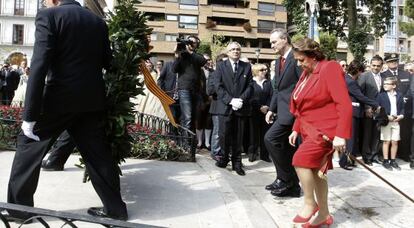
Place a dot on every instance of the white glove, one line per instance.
(27, 128)
(237, 103)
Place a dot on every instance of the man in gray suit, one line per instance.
(287, 73)
(371, 84)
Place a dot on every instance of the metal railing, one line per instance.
(69, 219)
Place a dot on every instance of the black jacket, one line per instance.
(358, 99)
(261, 96)
(167, 79)
(284, 84)
(229, 86)
(71, 48)
(188, 66)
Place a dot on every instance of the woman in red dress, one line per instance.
(323, 111)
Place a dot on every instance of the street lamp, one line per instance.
(257, 52)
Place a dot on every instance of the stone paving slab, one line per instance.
(173, 194)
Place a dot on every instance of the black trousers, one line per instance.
(352, 144)
(404, 145)
(231, 131)
(62, 149)
(370, 139)
(257, 129)
(88, 132)
(276, 140)
(412, 144)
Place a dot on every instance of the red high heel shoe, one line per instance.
(328, 222)
(300, 219)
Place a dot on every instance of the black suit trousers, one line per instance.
(370, 139)
(231, 132)
(257, 129)
(352, 144)
(276, 140)
(62, 149)
(88, 131)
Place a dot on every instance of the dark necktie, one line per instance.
(235, 68)
(394, 73)
(282, 64)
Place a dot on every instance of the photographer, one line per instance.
(188, 65)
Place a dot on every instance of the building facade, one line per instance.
(248, 22)
(17, 26)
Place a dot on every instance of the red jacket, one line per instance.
(323, 102)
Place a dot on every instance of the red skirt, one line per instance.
(313, 153)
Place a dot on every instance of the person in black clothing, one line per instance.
(188, 65)
(167, 81)
(59, 153)
(10, 79)
(287, 73)
(354, 70)
(72, 98)
(234, 89)
(260, 102)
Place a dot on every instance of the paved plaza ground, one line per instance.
(175, 194)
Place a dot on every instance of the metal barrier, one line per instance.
(67, 218)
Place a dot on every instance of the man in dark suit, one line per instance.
(234, 89)
(167, 81)
(287, 74)
(71, 48)
(371, 85)
(10, 81)
(403, 86)
(358, 99)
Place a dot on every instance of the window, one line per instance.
(392, 29)
(18, 34)
(377, 45)
(268, 26)
(153, 36)
(266, 9)
(171, 17)
(19, 7)
(280, 8)
(409, 46)
(187, 21)
(189, 4)
(171, 37)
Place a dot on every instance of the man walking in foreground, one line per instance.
(71, 48)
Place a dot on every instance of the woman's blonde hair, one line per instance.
(256, 68)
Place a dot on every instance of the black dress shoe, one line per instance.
(239, 171)
(275, 185)
(99, 212)
(347, 167)
(222, 163)
(252, 157)
(288, 192)
(368, 162)
(48, 166)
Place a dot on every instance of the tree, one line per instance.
(128, 34)
(335, 16)
(329, 44)
(408, 27)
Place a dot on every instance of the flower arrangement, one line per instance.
(152, 143)
(10, 119)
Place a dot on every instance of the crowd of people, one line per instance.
(13, 82)
(296, 113)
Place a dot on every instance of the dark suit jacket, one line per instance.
(261, 96)
(368, 85)
(358, 99)
(71, 48)
(229, 86)
(12, 78)
(167, 79)
(284, 84)
(384, 101)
